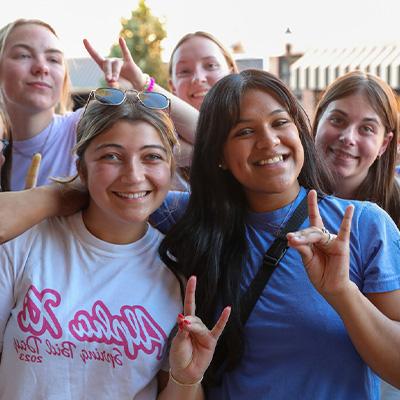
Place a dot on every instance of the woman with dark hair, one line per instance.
(254, 162)
(356, 129)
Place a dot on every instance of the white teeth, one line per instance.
(273, 160)
(136, 195)
(200, 94)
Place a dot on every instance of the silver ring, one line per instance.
(330, 236)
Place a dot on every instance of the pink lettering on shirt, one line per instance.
(134, 329)
(36, 316)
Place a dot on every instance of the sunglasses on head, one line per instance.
(115, 97)
(5, 143)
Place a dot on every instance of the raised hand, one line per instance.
(193, 346)
(113, 68)
(325, 256)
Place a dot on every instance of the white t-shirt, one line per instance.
(55, 144)
(81, 318)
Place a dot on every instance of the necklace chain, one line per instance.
(42, 149)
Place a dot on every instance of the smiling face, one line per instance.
(32, 69)
(197, 65)
(351, 136)
(128, 173)
(264, 152)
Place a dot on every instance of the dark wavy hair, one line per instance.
(209, 241)
(380, 185)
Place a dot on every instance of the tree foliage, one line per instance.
(144, 33)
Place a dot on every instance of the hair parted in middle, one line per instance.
(380, 185)
(225, 52)
(99, 118)
(209, 241)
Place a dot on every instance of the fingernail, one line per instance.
(185, 321)
(181, 316)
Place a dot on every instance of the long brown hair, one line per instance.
(380, 185)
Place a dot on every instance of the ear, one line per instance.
(81, 171)
(386, 141)
(172, 87)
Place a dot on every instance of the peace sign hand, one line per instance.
(194, 345)
(113, 68)
(325, 256)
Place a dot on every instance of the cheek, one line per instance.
(369, 148)
(325, 136)
(162, 177)
(216, 76)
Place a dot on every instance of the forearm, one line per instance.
(375, 336)
(21, 210)
(183, 114)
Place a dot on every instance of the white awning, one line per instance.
(318, 68)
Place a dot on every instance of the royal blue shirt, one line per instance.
(296, 344)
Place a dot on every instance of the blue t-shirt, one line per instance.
(296, 344)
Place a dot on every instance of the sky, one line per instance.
(259, 24)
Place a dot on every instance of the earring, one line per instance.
(378, 157)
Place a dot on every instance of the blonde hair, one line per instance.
(225, 52)
(65, 98)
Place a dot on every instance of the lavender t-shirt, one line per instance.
(55, 144)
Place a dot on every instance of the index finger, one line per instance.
(313, 211)
(98, 59)
(189, 306)
(126, 54)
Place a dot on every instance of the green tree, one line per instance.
(144, 33)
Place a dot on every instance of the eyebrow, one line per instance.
(27, 47)
(271, 114)
(118, 146)
(188, 60)
(367, 119)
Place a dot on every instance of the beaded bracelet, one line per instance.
(149, 83)
(183, 384)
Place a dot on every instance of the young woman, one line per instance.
(197, 62)
(254, 162)
(34, 84)
(86, 305)
(342, 309)
(34, 81)
(356, 129)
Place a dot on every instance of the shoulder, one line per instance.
(170, 211)
(70, 118)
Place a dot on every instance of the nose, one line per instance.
(133, 172)
(40, 67)
(199, 75)
(267, 138)
(348, 135)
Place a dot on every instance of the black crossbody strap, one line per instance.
(271, 260)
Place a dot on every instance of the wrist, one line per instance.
(182, 382)
(342, 298)
(49, 197)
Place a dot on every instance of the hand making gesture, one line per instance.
(113, 68)
(193, 346)
(325, 255)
